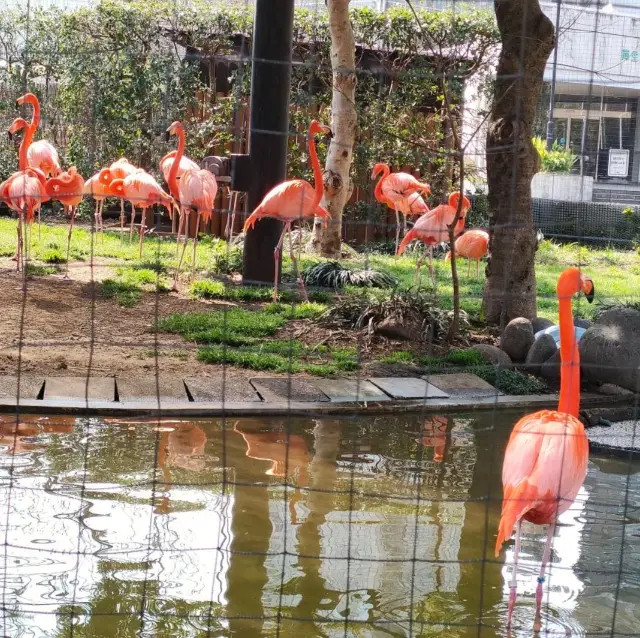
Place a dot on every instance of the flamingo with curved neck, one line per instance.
(294, 200)
(545, 463)
(394, 189)
(173, 166)
(41, 154)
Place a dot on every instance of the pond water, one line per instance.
(386, 528)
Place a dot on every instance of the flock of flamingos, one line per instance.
(546, 458)
(40, 178)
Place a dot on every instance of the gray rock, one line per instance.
(540, 323)
(543, 348)
(550, 369)
(613, 390)
(393, 328)
(581, 323)
(492, 354)
(517, 338)
(610, 349)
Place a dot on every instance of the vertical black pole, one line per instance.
(269, 127)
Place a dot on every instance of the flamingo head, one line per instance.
(173, 129)
(454, 198)
(27, 98)
(572, 281)
(316, 128)
(379, 168)
(17, 124)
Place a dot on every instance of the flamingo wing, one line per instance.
(185, 165)
(544, 467)
(198, 188)
(289, 201)
(43, 155)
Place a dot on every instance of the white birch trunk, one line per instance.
(337, 182)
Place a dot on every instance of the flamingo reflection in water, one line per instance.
(434, 434)
(288, 453)
(18, 436)
(183, 447)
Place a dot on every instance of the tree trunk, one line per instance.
(343, 126)
(527, 40)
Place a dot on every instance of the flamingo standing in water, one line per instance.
(41, 154)
(473, 244)
(120, 169)
(394, 189)
(197, 189)
(545, 463)
(24, 192)
(291, 200)
(67, 188)
(432, 228)
(142, 190)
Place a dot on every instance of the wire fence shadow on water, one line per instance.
(238, 496)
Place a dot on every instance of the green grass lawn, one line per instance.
(248, 331)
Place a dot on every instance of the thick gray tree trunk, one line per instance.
(527, 41)
(344, 120)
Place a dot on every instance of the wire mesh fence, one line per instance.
(201, 436)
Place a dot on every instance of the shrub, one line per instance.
(331, 274)
(557, 160)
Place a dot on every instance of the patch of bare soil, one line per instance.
(67, 329)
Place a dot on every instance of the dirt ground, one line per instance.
(69, 330)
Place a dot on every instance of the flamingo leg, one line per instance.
(420, 260)
(195, 241)
(397, 229)
(295, 264)
(477, 269)
(122, 214)
(143, 227)
(39, 233)
(431, 272)
(276, 256)
(545, 560)
(185, 215)
(72, 213)
(404, 225)
(133, 219)
(468, 268)
(514, 575)
(19, 243)
(180, 229)
(101, 223)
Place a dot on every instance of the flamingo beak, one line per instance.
(588, 288)
(167, 134)
(10, 134)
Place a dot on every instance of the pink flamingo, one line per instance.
(120, 169)
(24, 192)
(393, 189)
(197, 189)
(141, 189)
(546, 458)
(93, 187)
(67, 188)
(432, 228)
(473, 244)
(291, 200)
(17, 125)
(184, 164)
(41, 154)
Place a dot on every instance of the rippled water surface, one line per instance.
(387, 528)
